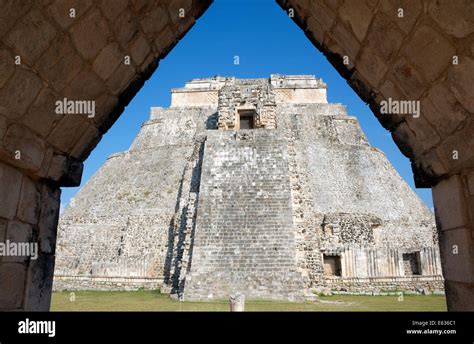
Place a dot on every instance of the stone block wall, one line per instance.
(454, 207)
(29, 211)
(384, 285)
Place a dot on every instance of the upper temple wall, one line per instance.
(287, 89)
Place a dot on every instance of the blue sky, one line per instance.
(267, 42)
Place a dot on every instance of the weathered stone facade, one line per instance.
(202, 208)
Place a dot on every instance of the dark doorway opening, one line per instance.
(247, 120)
(411, 263)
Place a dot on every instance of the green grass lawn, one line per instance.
(154, 301)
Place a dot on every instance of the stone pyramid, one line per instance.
(257, 186)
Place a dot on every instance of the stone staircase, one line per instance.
(244, 238)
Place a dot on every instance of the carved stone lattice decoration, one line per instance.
(236, 97)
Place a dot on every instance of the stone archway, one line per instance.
(105, 50)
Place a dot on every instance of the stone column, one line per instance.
(29, 211)
(237, 302)
(454, 207)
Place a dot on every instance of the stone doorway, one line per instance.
(411, 263)
(332, 265)
(246, 120)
